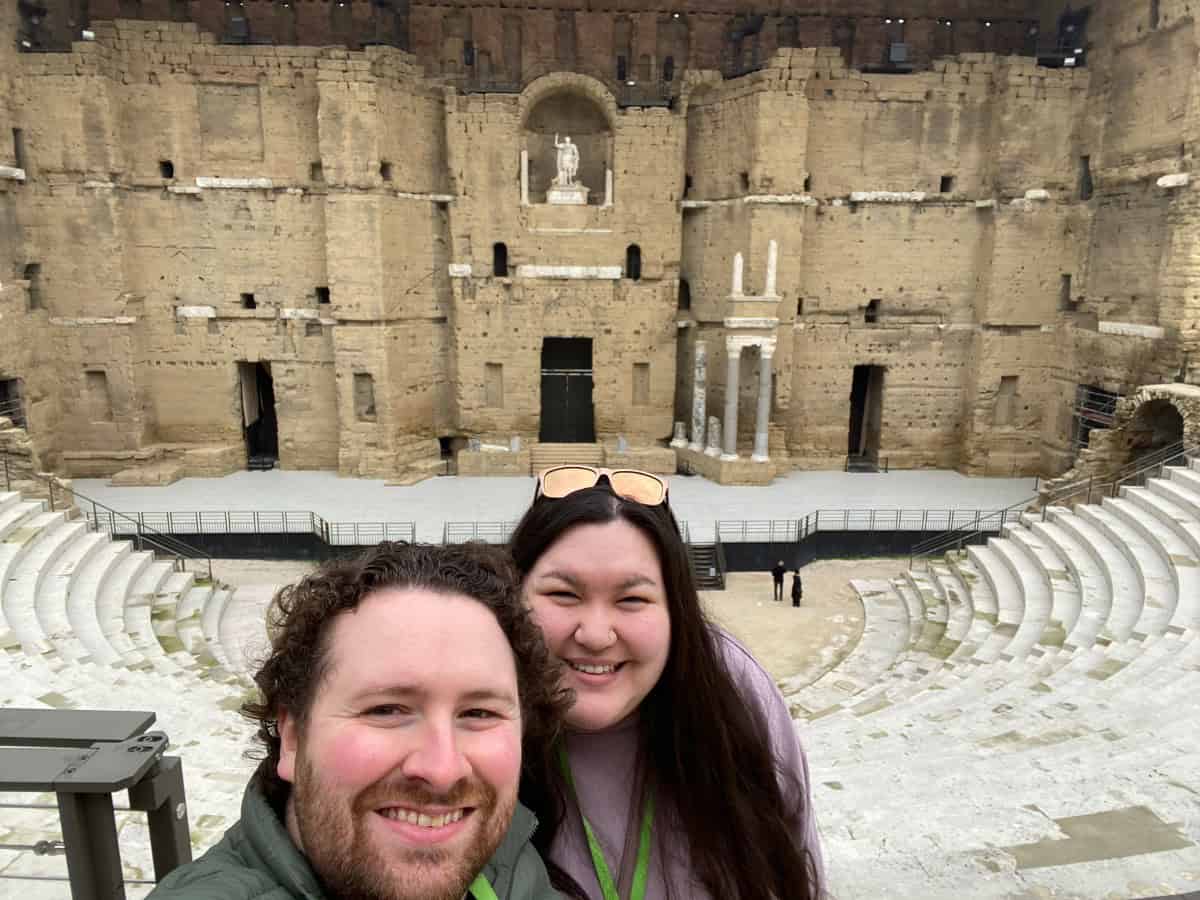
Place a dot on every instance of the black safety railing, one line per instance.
(143, 535)
(794, 530)
(489, 532)
(1086, 490)
(84, 757)
(254, 522)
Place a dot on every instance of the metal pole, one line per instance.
(161, 795)
(7, 479)
(90, 838)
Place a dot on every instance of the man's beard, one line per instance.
(350, 864)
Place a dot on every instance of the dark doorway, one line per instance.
(866, 414)
(500, 260)
(12, 401)
(1156, 426)
(259, 425)
(567, 391)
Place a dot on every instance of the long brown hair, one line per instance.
(707, 750)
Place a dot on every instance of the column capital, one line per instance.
(736, 343)
(766, 348)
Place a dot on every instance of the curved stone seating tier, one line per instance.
(1125, 588)
(885, 635)
(1086, 576)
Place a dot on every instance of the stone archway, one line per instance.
(561, 106)
(1155, 426)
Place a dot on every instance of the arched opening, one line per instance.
(559, 115)
(633, 262)
(685, 294)
(1155, 426)
(500, 259)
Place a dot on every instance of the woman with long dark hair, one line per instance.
(681, 775)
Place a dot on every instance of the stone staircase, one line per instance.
(1021, 718)
(543, 456)
(87, 622)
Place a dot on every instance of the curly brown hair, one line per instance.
(301, 616)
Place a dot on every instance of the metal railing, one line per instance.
(84, 757)
(255, 522)
(143, 535)
(1085, 491)
(490, 532)
(796, 530)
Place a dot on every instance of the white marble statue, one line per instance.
(568, 162)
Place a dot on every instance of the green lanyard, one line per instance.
(608, 887)
(481, 888)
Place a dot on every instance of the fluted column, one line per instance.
(524, 177)
(772, 268)
(699, 396)
(736, 286)
(762, 420)
(733, 350)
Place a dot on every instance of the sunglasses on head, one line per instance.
(640, 487)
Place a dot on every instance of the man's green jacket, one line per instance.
(256, 860)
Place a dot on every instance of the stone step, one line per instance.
(210, 622)
(1095, 600)
(543, 456)
(1125, 588)
(1177, 493)
(1065, 600)
(1034, 595)
(16, 515)
(25, 579)
(83, 600)
(935, 613)
(1009, 601)
(57, 582)
(1158, 587)
(1188, 479)
(884, 637)
(1177, 535)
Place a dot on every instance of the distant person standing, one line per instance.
(797, 588)
(777, 573)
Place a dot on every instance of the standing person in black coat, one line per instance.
(777, 573)
(797, 588)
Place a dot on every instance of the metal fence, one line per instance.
(793, 530)
(250, 522)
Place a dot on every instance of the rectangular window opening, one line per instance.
(1066, 301)
(99, 401)
(316, 172)
(364, 396)
(1006, 401)
(248, 301)
(1086, 185)
(33, 274)
(947, 185)
(385, 170)
(493, 383)
(19, 148)
(871, 315)
(641, 384)
(322, 294)
(166, 168)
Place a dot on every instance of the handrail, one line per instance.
(1135, 469)
(254, 521)
(722, 566)
(160, 540)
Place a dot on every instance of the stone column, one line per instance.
(772, 264)
(763, 419)
(524, 177)
(733, 350)
(608, 187)
(737, 275)
(699, 396)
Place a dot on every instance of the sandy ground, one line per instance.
(798, 645)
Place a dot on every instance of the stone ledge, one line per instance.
(195, 312)
(12, 173)
(234, 184)
(1132, 329)
(489, 462)
(736, 471)
(83, 321)
(888, 196)
(603, 273)
(296, 313)
(459, 270)
(1178, 180)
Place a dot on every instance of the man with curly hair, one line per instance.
(403, 693)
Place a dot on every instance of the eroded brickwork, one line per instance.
(986, 232)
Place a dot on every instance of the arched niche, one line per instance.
(1156, 425)
(568, 110)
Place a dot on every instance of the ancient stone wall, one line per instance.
(987, 232)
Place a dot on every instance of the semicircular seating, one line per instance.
(1042, 746)
(91, 623)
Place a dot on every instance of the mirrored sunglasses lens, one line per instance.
(639, 487)
(567, 480)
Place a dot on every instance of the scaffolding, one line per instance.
(1094, 408)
